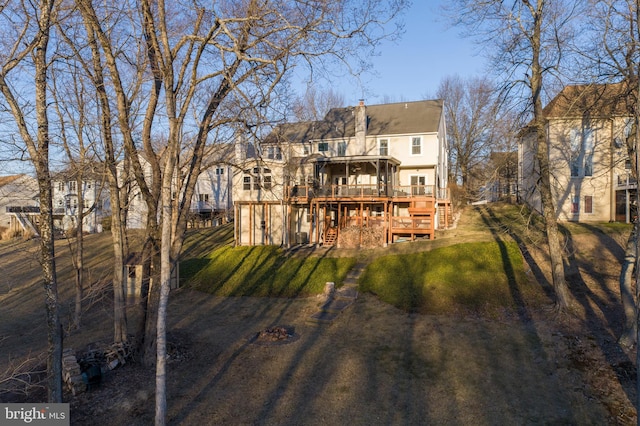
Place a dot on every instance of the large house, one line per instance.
(211, 203)
(67, 192)
(375, 173)
(587, 127)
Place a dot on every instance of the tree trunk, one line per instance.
(628, 337)
(561, 289)
(77, 314)
(166, 265)
(54, 327)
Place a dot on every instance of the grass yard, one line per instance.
(264, 271)
(481, 277)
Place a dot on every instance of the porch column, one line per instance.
(287, 225)
(251, 230)
(236, 225)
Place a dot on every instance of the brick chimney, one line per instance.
(361, 126)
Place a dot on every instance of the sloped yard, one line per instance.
(375, 364)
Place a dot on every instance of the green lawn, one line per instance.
(264, 271)
(485, 277)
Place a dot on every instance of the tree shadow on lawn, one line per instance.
(584, 295)
(374, 365)
(606, 332)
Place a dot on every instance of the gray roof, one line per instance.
(384, 119)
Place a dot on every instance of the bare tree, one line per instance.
(471, 108)
(613, 53)
(71, 107)
(315, 103)
(527, 37)
(26, 57)
(205, 69)
(87, 63)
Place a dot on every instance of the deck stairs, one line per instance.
(330, 237)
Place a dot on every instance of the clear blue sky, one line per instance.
(412, 68)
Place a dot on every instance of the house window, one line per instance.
(575, 205)
(203, 198)
(342, 149)
(323, 146)
(588, 204)
(416, 146)
(305, 149)
(274, 153)
(267, 182)
(71, 185)
(219, 171)
(383, 147)
(246, 182)
(582, 147)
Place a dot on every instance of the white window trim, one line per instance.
(379, 147)
(411, 146)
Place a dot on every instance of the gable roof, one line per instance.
(293, 132)
(383, 119)
(6, 180)
(598, 100)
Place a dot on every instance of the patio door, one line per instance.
(340, 183)
(418, 183)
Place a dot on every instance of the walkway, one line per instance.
(342, 298)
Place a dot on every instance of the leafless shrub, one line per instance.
(21, 378)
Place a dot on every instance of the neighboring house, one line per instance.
(66, 193)
(19, 203)
(211, 203)
(587, 127)
(379, 167)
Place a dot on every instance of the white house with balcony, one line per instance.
(211, 203)
(587, 128)
(66, 195)
(378, 169)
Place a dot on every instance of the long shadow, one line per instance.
(492, 221)
(583, 294)
(535, 269)
(229, 307)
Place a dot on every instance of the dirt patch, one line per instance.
(373, 365)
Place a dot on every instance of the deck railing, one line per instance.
(627, 180)
(411, 224)
(366, 191)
